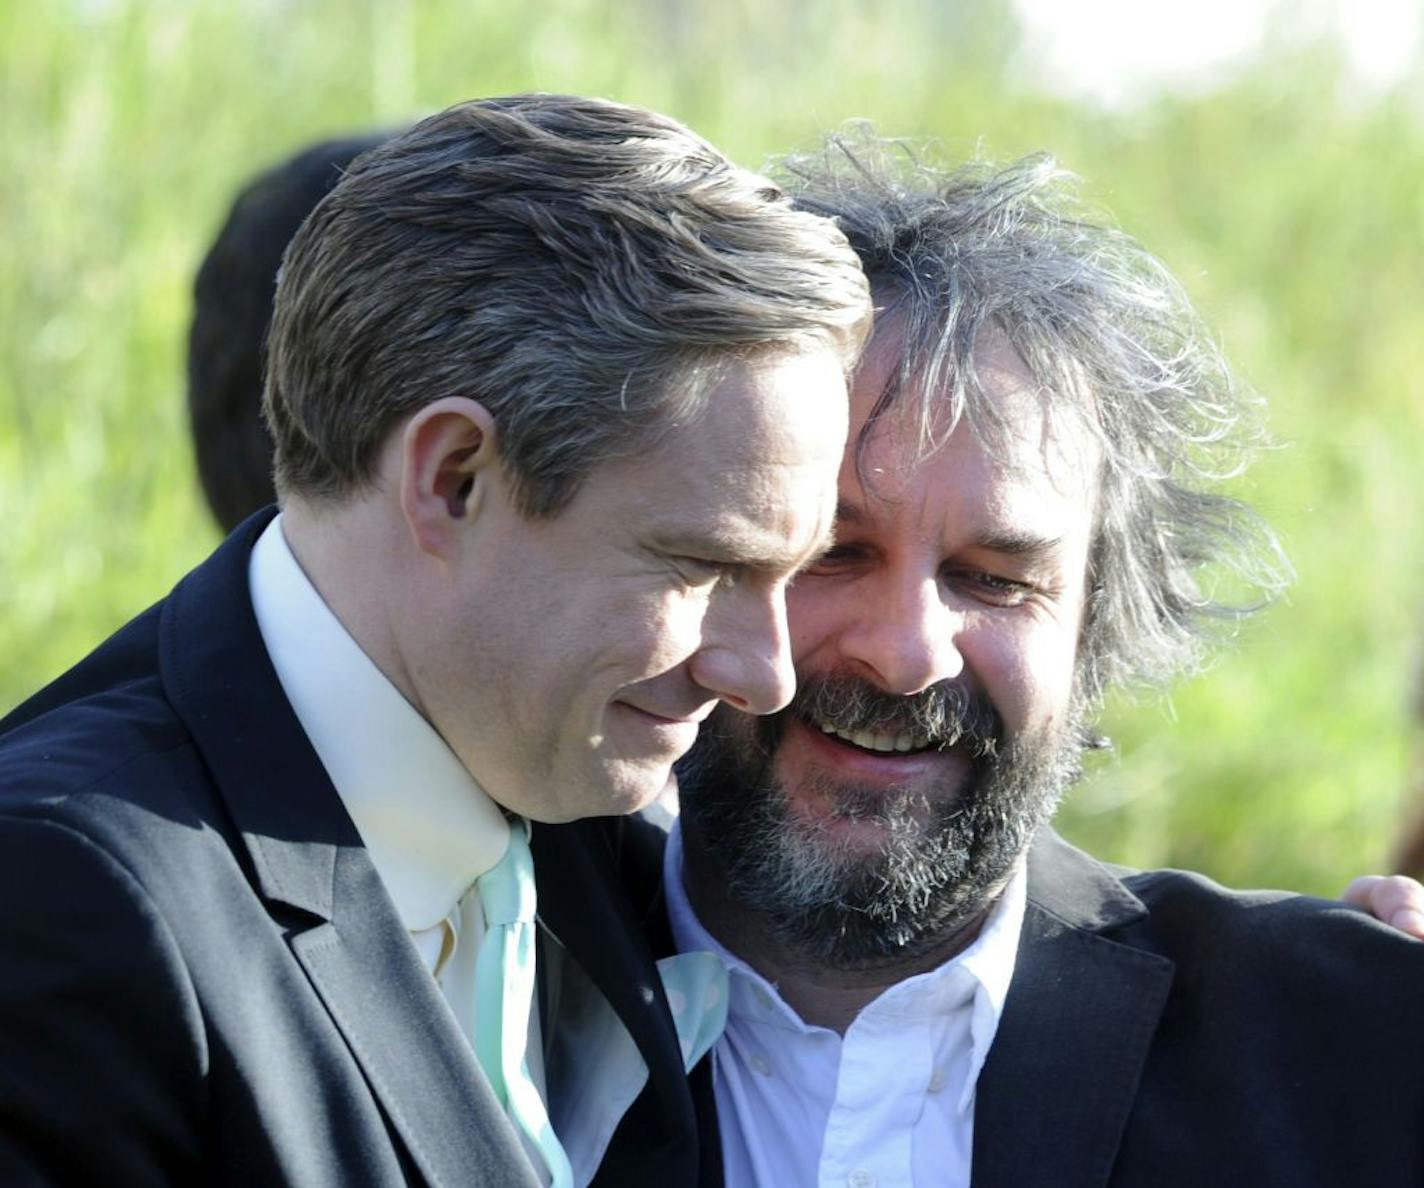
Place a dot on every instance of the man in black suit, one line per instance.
(558, 395)
(927, 986)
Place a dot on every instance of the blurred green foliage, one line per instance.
(1293, 213)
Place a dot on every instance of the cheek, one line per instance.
(664, 630)
(1028, 672)
(811, 614)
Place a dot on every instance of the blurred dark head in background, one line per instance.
(232, 307)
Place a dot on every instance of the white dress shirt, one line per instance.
(890, 1104)
(428, 826)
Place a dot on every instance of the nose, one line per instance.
(906, 636)
(745, 657)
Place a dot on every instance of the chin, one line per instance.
(630, 791)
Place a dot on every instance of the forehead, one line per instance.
(761, 457)
(1038, 462)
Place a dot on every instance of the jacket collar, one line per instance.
(1062, 1076)
(1078, 889)
(219, 678)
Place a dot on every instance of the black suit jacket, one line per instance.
(201, 976)
(1163, 1031)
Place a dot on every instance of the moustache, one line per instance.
(946, 715)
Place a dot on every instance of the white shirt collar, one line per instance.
(989, 962)
(428, 826)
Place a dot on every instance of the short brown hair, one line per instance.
(574, 264)
(232, 308)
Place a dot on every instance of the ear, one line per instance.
(448, 457)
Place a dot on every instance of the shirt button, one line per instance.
(861, 1178)
(761, 1065)
(937, 1080)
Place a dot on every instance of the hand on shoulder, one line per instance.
(1395, 900)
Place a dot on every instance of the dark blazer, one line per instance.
(669, 1135)
(1163, 1031)
(202, 979)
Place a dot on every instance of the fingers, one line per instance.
(1393, 899)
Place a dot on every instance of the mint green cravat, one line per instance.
(504, 992)
(696, 988)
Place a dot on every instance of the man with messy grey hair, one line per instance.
(926, 985)
(558, 394)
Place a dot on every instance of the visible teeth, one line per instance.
(876, 740)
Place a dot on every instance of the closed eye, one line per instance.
(836, 559)
(992, 588)
(698, 571)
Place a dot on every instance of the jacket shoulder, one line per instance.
(107, 711)
(1203, 926)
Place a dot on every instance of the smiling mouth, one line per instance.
(877, 741)
(680, 720)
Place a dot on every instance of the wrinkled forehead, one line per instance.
(1010, 430)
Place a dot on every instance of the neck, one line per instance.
(823, 993)
(334, 546)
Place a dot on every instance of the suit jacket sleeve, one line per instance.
(102, 1049)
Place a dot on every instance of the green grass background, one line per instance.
(1292, 209)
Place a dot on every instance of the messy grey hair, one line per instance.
(581, 267)
(1109, 336)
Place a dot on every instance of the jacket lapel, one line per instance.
(404, 1037)
(305, 854)
(1062, 1074)
(589, 875)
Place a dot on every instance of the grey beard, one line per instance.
(946, 856)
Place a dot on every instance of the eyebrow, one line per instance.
(1012, 542)
(1016, 543)
(744, 549)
